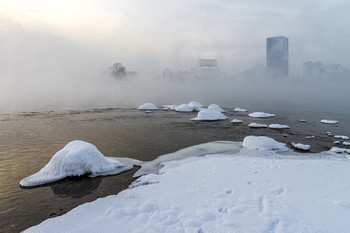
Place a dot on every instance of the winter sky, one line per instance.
(155, 34)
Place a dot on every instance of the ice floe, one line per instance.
(257, 125)
(263, 143)
(310, 137)
(148, 106)
(240, 110)
(236, 121)
(331, 122)
(261, 114)
(76, 159)
(341, 137)
(216, 107)
(184, 108)
(209, 115)
(278, 126)
(303, 147)
(224, 193)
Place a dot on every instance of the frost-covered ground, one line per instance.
(252, 190)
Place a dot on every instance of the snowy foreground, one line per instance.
(256, 188)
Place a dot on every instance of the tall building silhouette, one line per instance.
(277, 56)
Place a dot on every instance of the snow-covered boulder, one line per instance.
(195, 106)
(278, 126)
(184, 108)
(148, 106)
(240, 110)
(256, 125)
(300, 146)
(75, 159)
(216, 107)
(263, 143)
(331, 122)
(209, 115)
(346, 143)
(341, 137)
(261, 115)
(236, 121)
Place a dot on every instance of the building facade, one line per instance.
(277, 56)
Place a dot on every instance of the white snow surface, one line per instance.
(195, 106)
(261, 115)
(341, 137)
(257, 125)
(148, 106)
(278, 126)
(240, 110)
(331, 122)
(75, 159)
(263, 143)
(300, 146)
(184, 108)
(251, 191)
(216, 107)
(209, 115)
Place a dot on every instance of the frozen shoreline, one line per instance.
(266, 191)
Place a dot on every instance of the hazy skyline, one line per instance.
(52, 52)
(176, 34)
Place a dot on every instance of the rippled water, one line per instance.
(28, 141)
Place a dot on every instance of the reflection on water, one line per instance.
(29, 140)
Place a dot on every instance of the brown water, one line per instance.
(28, 141)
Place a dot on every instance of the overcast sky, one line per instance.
(175, 34)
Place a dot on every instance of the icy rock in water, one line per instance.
(209, 115)
(256, 125)
(346, 143)
(148, 111)
(310, 137)
(341, 137)
(236, 121)
(337, 142)
(278, 126)
(75, 159)
(195, 106)
(331, 122)
(263, 143)
(184, 108)
(148, 106)
(216, 107)
(302, 120)
(339, 150)
(261, 115)
(300, 146)
(240, 110)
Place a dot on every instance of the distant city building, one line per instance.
(118, 71)
(277, 56)
(320, 71)
(205, 69)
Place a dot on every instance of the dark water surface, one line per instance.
(29, 140)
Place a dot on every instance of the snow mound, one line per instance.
(341, 137)
(346, 143)
(75, 159)
(261, 115)
(148, 106)
(340, 150)
(240, 110)
(331, 122)
(300, 146)
(278, 126)
(195, 106)
(256, 125)
(263, 143)
(209, 115)
(236, 121)
(216, 107)
(184, 108)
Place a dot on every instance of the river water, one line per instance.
(29, 140)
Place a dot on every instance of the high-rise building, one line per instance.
(277, 56)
